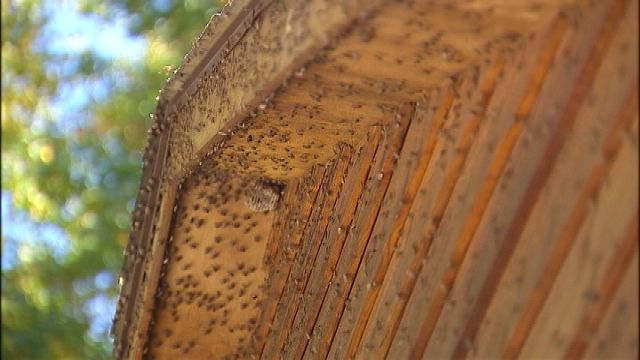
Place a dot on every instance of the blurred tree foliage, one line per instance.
(82, 177)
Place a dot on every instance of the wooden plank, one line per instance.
(459, 151)
(211, 291)
(144, 224)
(492, 174)
(560, 128)
(413, 161)
(580, 155)
(317, 224)
(407, 331)
(250, 72)
(619, 263)
(345, 207)
(617, 336)
(491, 155)
(486, 92)
(328, 311)
(211, 83)
(269, 302)
(301, 205)
(155, 272)
(397, 249)
(294, 198)
(577, 262)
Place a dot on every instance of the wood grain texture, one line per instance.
(453, 179)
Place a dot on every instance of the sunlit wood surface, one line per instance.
(456, 179)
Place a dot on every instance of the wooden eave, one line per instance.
(232, 40)
(415, 151)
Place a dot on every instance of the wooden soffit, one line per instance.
(362, 179)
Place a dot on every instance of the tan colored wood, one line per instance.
(237, 62)
(617, 337)
(209, 297)
(345, 210)
(423, 187)
(279, 274)
(583, 258)
(551, 211)
(413, 161)
(504, 101)
(311, 240)
(553, 139)
(610, 283)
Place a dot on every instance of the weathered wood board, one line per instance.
(435, 179)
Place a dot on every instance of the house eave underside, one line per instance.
(250, 50)
(178, 137)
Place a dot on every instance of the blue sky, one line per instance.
(70, 32)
